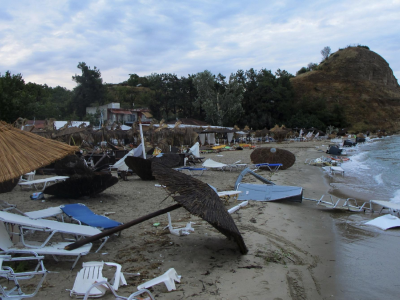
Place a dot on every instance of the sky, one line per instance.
(44, 41)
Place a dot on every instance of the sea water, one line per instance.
(365, 255)
(374, 168)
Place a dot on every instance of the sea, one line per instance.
(367, 257)
(373, 170)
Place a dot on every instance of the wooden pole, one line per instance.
(120, 227)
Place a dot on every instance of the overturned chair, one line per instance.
(14, 277)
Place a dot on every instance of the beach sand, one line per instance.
(291, 245)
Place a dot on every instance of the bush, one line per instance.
(363, 46)
(301, 71)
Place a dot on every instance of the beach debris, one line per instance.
(237, 207)
(81, 186)
(168, 278)
(268, 191)
(199, 199)
(8, 185)
(194, 195)
(71, 165)
(37, 196)
(179, 231)
(92, 272)
(104, 285)
(7, 272)
(385, 222)
(140, 166)
(273, 156)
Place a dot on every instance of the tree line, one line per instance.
(257, 99)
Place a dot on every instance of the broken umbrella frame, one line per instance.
(194, 195)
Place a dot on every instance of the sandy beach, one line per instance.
(292, 246)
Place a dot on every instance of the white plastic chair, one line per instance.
(179, 231)
(168, 278)
(105, 283)
(91, 273)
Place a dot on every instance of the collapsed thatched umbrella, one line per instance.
(199, 199)
(273, 156)
(81, 185)
(140, 166)
(194, 195)
(22, 152)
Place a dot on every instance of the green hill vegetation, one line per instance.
(353, 87)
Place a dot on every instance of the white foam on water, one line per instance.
(358, 163)
(396, 197)
(378, 179)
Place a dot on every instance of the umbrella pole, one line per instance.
(141, 136)
(120, 227)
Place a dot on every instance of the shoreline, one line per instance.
(292, 246)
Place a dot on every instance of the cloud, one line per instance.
(43, 38)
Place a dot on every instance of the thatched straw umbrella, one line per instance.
(140, 166)
(273, 156)
(279, 133)
(22, 152)
(81, 186)
(199, 199)
(194, 195)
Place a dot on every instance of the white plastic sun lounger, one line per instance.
(393, 207)
(55, 249)
(8, 273)
(337, 170)
(385, 222)
(42, 182)
(212, 164)
(52, 227)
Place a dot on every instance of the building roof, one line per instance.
(121, 111)
(189, 121)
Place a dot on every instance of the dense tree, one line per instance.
(267, 98)
(90, 89)
(220, 100)
(14, 101)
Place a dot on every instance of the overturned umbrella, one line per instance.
(194, 195)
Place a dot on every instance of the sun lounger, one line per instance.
(192, 171)
(42, 182)
(83, 215)
(385, 222)
(8, 273)
(394, 208)
(271, 167)
(337, 170)
(212, 164)
(226, 195)
(48, 246)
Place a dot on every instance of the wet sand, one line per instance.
(293, 247)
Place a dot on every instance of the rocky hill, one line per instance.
(362, 82)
